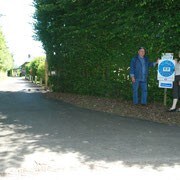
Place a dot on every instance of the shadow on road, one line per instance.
(31, 123)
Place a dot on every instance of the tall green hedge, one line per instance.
(89, 43)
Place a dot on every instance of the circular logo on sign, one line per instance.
(166, 68)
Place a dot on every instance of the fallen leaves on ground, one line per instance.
(153, 111)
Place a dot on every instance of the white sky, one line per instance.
(16, 24)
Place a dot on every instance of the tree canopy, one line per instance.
(36, 68)
(89, 43)
(6, 59)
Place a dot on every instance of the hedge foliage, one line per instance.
(89, 43)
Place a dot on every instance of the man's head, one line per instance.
(141, 51)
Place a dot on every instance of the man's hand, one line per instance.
(157, 62)
(133, 79)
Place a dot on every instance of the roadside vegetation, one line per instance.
(89, 43)
(6, 58)
(35, 70)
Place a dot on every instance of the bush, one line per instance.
(36, 68)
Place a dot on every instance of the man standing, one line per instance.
(139, 68)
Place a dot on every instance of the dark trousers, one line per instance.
(176, 87)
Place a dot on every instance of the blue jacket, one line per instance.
(136, 67)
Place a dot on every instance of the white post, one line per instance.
(35, 79)
(41, 81)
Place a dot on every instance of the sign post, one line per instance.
(165, 96)
(166, 73)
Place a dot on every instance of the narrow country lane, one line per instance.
(42, 138)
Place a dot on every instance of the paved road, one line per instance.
(43, 138)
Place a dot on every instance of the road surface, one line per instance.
(42, 138)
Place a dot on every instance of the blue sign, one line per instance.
(166, 71)
(166, 68)
(165, 84)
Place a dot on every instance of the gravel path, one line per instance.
(152, 112)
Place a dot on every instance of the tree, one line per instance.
(36, 68)
(6, 59)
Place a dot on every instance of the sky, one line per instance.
(16, 22)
